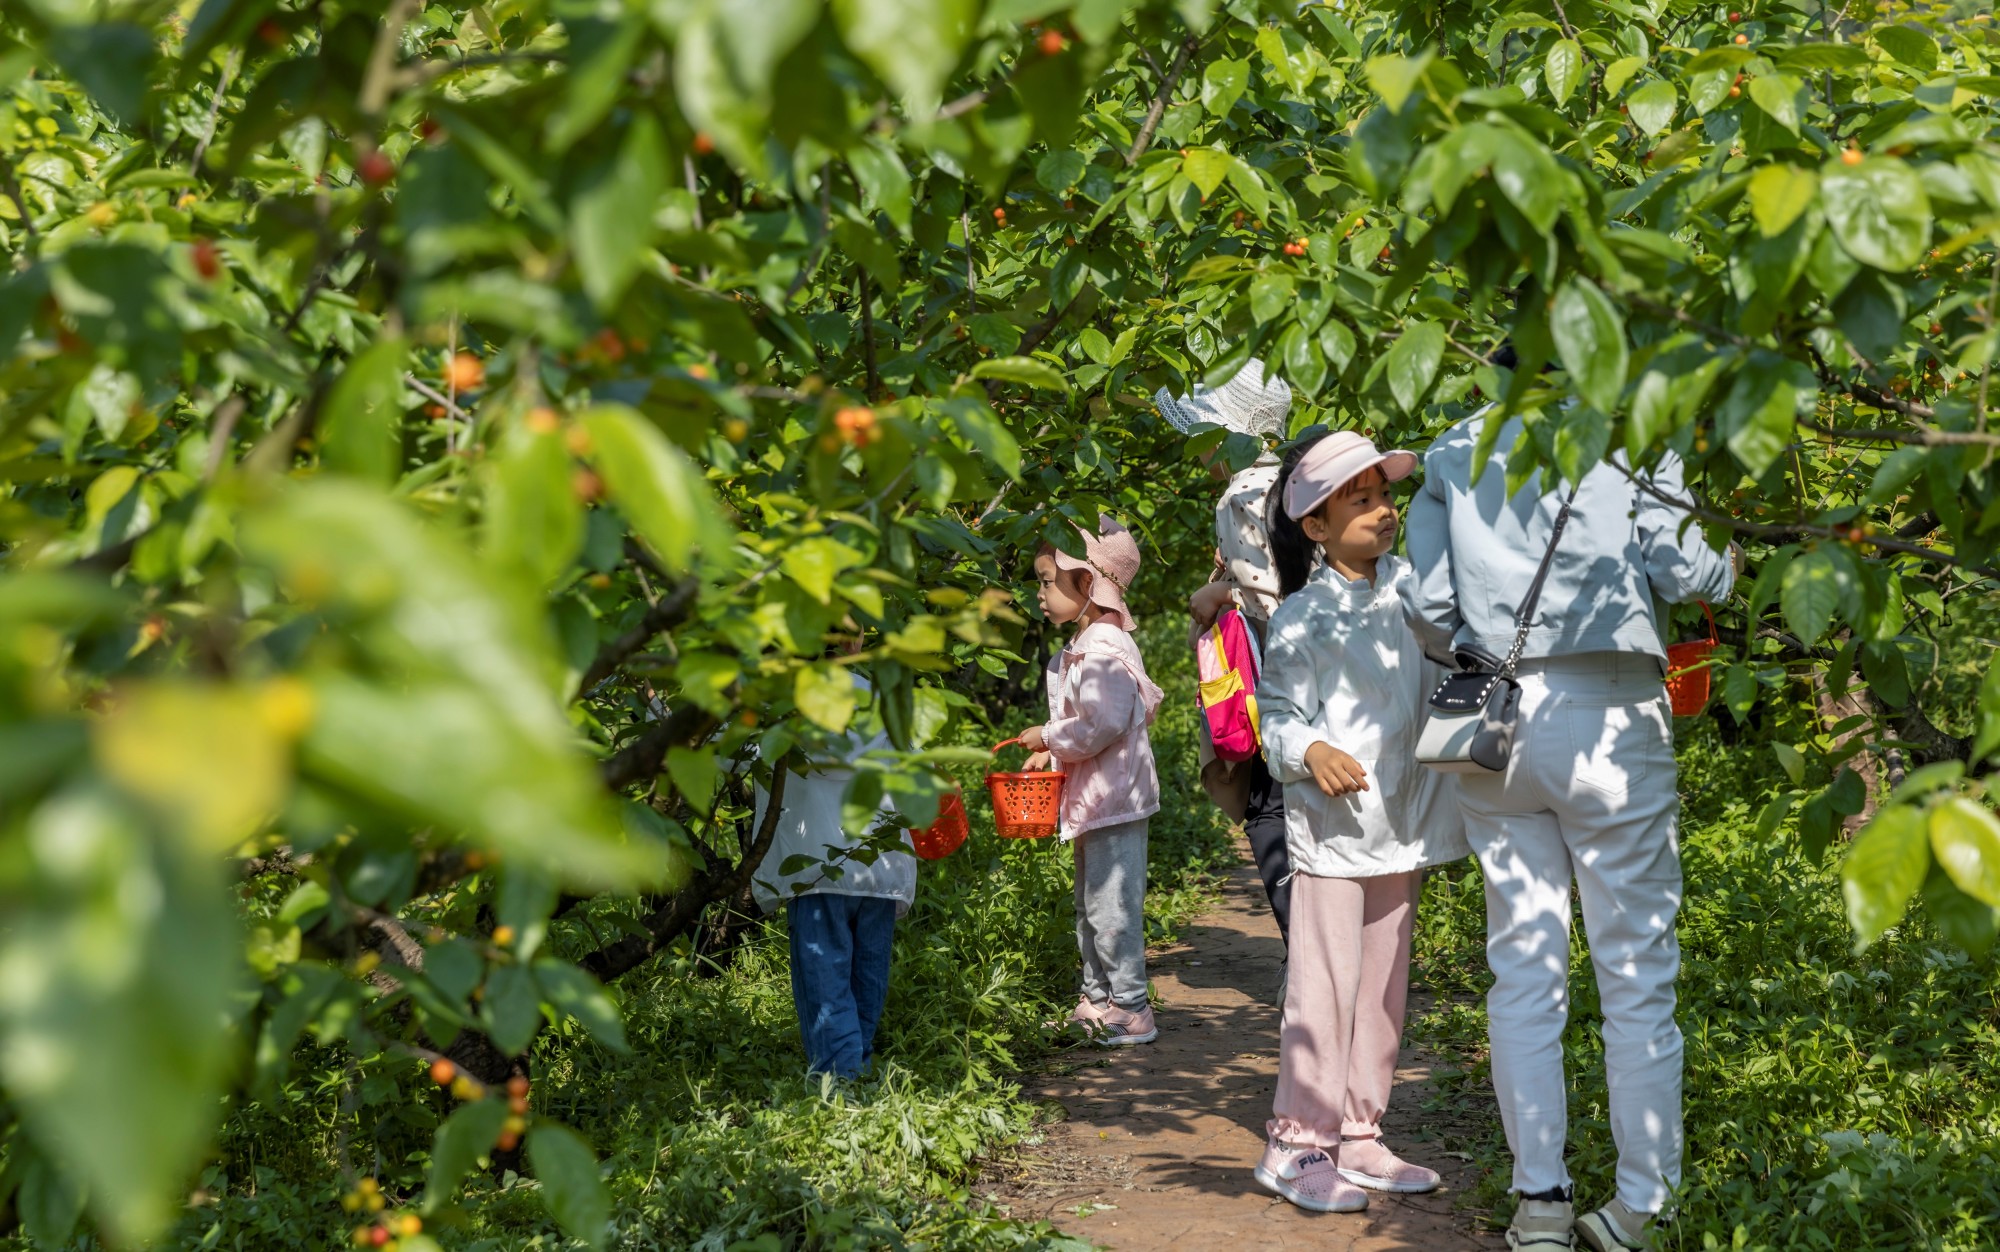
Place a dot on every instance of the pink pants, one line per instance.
(1344, 1002)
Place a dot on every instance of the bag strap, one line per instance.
(1527, 614)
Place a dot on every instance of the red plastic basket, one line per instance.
(1688, 670)
(943, 836)
(1026, 804)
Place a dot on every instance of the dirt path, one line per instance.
(1160, 1140)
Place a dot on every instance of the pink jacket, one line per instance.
(1100, 704)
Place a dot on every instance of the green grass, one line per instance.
(1833, 1100)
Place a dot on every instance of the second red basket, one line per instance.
(942, 837)
(1026, 804)
(1688, 670)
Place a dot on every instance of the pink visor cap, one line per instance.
(1334, 461)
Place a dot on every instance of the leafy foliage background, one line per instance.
(452, 453)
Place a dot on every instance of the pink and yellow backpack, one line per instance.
(1227, 663)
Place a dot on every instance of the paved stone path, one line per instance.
(1159, 1140)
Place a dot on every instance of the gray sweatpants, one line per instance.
(1111, 913)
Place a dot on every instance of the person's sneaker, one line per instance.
(1367, 1163)
(1087, 1017)
(1615, 1228)
(1122, 1026)
(1543, 1224)
(1307, 1177)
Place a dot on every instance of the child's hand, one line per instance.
(1337, 773)
(1208, 603)
(1039, 762)
(1032, 740)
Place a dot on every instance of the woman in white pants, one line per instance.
(1588, 797)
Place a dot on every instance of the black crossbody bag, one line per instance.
(1469, 727)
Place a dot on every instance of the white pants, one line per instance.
(1588, 794)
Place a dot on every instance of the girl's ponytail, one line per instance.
(1291, 551)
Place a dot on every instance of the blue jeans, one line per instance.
(840, 977)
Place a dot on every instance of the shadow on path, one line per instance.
(1158, 1142)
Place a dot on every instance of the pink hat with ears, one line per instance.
(1111, 558)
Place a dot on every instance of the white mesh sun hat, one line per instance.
(1248, 404)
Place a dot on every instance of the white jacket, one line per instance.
(809, 826)
(1342, 665)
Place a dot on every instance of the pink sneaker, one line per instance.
(1307, 1177)
(1087, 1017)
(1367, 1163)
(1123, 1026)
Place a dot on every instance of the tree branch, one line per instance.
(683, 909)
(671, 610)
(640, 759)
(1158, 108)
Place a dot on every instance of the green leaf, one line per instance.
(1223, 84)
(1758, 416)
(113, 61)
(1206, 168)
(1878, 210)
(466, 1135)
(49, 1202)
(912, 44)
(1651, 107)
(1563, 69)
(1620, 72)
(1793, 761)
(864, 244)
(1025, 370)
(1989, 714)
(1292, 60)
(113, 1042)
(654, 485)
(1909, 45)
(471, 758)
(1336, 342)
(570, 1183)
(1395, 77)
(1778, 194)
(1884, 868)
(361, 424)
(512, 1009)
(584, 998)
(1778, 96)
(611, 214)
(1811, 591)
(884, 179)
(814, 563)
(725, 56)
(1412, 362)
(1581, 441)
(1965, 837)
(1529, 177)
(534, 521)
(1058, 170)
(1589, 335)
(1969, 923)
(695, 774)
(1271, 294)
(984, 430)
(825, 694)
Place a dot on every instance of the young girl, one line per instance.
(1100, 704)
(1341, 696)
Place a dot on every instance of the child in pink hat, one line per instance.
(1342, 694)
(1100, 704)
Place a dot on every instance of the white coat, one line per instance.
(1342, 665)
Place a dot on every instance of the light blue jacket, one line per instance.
(1475, 552)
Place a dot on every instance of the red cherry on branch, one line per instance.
(376, 169)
